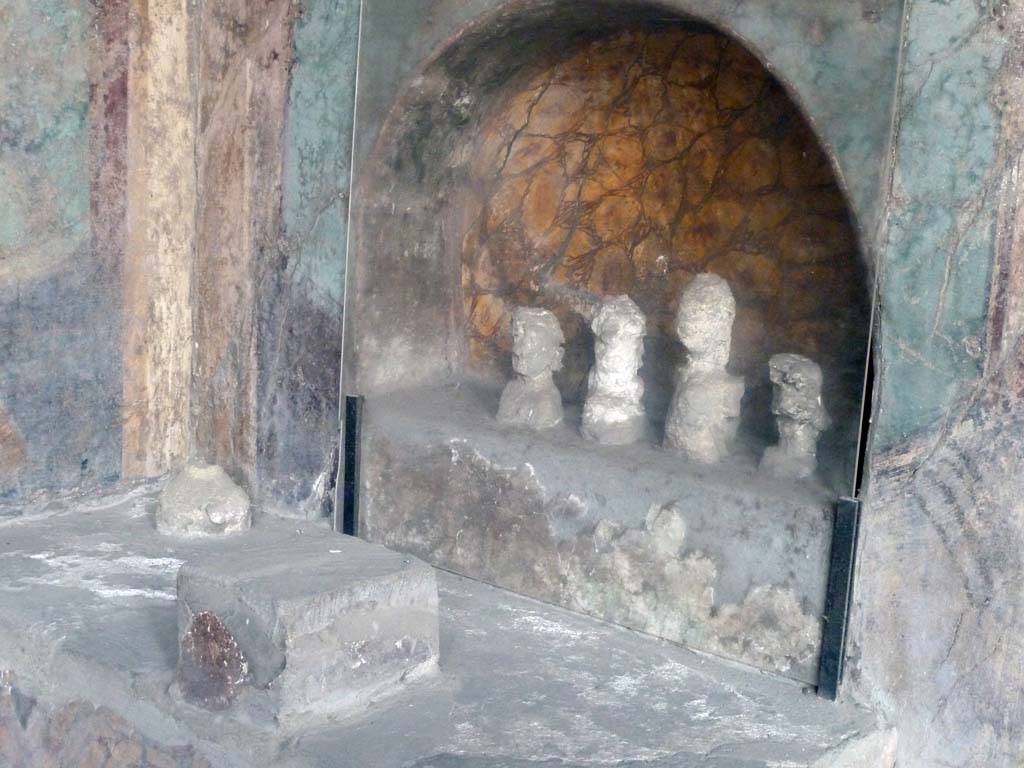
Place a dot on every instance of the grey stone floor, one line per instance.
(87, 610)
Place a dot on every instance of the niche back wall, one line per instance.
(637, 162)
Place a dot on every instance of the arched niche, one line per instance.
(547, 153)
(553, 151)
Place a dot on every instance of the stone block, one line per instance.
(201, 500)
(314, 626)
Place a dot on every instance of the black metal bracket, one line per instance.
(350, 489)
(838, 598)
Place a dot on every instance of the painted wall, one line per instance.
(939, 231)
(60, 386)
(233, 321)
(940, 612)
(229, 325)
(160, 248)
(300, 313)
(245, 55)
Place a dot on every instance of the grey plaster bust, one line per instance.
(705, 409)
(799, 414)
(531, 399)
(612, 413)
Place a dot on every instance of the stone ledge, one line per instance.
(722, 559)
(87, 614)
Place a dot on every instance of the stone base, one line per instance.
(625, 432)
(311, 626)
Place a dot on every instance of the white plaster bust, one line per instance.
(613, 414)
(531, 399)
(705, 409)
(799, 415)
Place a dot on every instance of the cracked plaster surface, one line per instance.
(939, 229)
(640, 161)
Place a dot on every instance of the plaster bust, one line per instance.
(531, 399)
(705, 409)
(612, 413)
(799, 415)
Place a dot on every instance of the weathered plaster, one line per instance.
(302, 285)
(244, 54)
(939, 228)
(839, 58)
(939, 616)
(44, 195)
(209, 89)
(59, 254)
(108, 127)
(160, 250)
(210, 302)
(319, 142)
